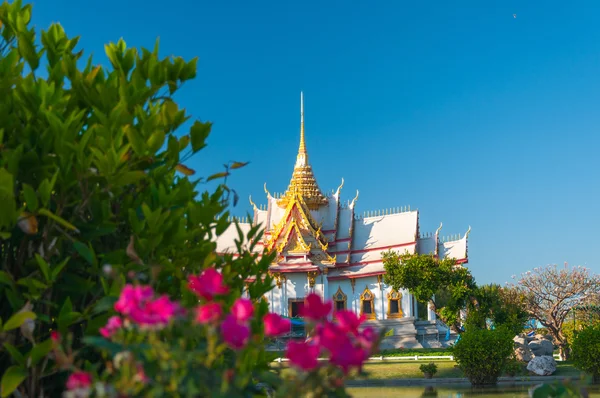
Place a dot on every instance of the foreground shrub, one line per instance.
(104, 232)
(482, 354)
(586, 351)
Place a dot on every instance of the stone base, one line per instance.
(403, 329)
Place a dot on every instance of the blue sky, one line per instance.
(455, 108)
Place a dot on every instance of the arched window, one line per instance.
(339, 300)
(367, 305)
(394, 305)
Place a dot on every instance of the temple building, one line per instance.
(324, 246)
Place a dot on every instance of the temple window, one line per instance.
(367, 305)
(295, 306)
(394, 304)
(339, 300)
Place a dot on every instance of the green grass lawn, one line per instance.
(446, 369)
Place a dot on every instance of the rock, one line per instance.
(522, 351)
(541, 347)
(520, 340)
(543, 365)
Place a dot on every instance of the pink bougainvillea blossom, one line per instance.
(302, 355)
(367, 338)
(79, 380)
(55, 336)
(209, 313)
(132, 297)
(315, 309)
(234, 333)
(276, 325)
(114, 323)
(348, 321)
(208, 284)
(137, 303)
(347, 356)
(155, 313)
(331, 337)
(242, 309)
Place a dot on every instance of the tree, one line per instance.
(426, 276)
(552, 292)
(586, 351)
(95, 194)
(500, 306)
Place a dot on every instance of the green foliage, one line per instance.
(430, 368)
(482, 354)
(425, 276)
(559, 389)
(586, 351)
(514, 367)
(94, 194)
(500, 306)
(411, 352)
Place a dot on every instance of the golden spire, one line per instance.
(302, 148)
(303, 182)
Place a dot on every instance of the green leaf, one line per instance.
(58, 219)
(17, 320)
(237, 165)
(218, 175)
(103, 344)
(66, 316)
(127, 178)
(30, 197)
(44, 267)
(40, 351)
(5, 278)
(198, 133)
(104, 304)
(15, 354)
(59, 268)
(11, 379)
(135, 139)
(27, 51)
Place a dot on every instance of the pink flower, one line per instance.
(209, 313)
(132, 297)
(314, 308)
(156, 313)
(55, 336)
(348, 321)
(114, 323)
(235, 334)
(242, 309)
(276, 325)
(367, 338)
(208, 284)
(78, 380)
(302, 355)
(331, 337)
(348, 356)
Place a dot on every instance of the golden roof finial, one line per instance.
(302, 148)
(303, 182)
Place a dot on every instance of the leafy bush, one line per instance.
(514, 367)
(586, 351)
(98, 206)
(482, 354)
(430, 368)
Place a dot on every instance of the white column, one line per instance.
(430, 312)
(407, 300)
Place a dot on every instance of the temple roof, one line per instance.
(303, 179)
